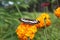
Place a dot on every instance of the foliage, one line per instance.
(9, 23)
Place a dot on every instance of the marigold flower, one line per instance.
(43, 18)
(26, 30)
(57, 12)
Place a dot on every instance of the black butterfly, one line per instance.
(28, 21)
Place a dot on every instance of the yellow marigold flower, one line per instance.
(48, 22)
(42, 18)
(57, 12)
(26, 30)
(41, 24)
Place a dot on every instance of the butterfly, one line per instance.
(29, 21)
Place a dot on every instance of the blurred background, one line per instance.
(12, 10)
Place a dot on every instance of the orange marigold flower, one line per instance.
(42, 18)
(57, 12)
(26, 30)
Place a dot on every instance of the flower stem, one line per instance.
(28, 38)
(46, 9)
(34, 10)
(45, 31)
(57, 3)
(18, 10)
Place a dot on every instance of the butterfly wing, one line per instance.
(29, 21)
